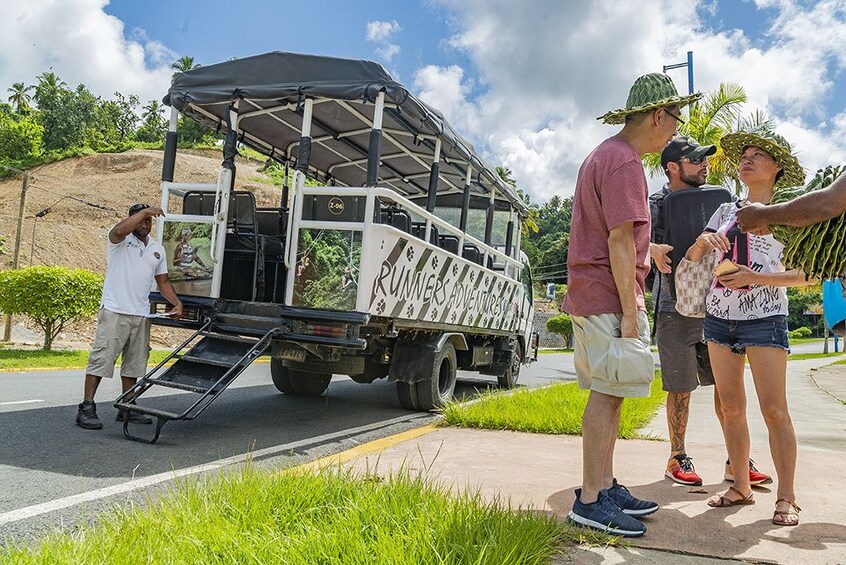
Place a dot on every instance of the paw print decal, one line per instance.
(380, 307)
(409, 312)
(453, 317)
(410, 253)
(454, 269)
(472, 276)
(435, 314)
(435, 262)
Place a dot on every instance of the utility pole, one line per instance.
(7, 330)
(689, 65)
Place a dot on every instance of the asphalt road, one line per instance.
(54, 474)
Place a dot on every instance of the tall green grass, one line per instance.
(556, 409)
(329, 517)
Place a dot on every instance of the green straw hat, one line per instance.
(649, 92)
(734, 144)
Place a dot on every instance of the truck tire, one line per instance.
(509, 378)
(438, 389)
(298, 383)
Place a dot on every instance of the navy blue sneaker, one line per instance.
(604, 515)
(628, 503)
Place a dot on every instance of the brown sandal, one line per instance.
(723, 501)
(787, 517)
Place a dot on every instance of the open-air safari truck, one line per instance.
(404, 263)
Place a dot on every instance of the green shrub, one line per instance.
(50, 296)
(799, 333)
(561, 325)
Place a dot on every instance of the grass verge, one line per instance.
(801, 356)
(333, 516)
(555, 409)
(15, 359)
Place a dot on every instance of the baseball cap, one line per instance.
(685, 147)
(135, 208)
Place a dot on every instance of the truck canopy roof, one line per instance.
(271, 88)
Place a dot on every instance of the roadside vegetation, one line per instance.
(17, 359)
(556, 409)
(332, 516)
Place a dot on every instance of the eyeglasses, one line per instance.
(675, 117)
(694, 161)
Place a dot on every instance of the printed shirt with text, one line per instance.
(762, 254)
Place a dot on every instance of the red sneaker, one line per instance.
(756, 477)
(680, 469)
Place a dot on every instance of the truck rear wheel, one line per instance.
(299, 383)
(436, 390)
(509, 378)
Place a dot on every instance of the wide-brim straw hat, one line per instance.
(733, 145)
(649, 92)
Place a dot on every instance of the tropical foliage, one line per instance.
(50, 296)
(708, 120)
(50, 120)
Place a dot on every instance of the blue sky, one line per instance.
(523, 80)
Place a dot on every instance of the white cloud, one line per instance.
(383, 33)
(544, 75)
(78, 41)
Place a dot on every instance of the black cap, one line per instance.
(135, 208)
(685, 147)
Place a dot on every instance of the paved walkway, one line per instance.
(540, 472)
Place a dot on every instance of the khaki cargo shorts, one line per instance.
(120, 334)
(616, 366)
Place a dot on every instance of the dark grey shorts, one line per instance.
(684, 356)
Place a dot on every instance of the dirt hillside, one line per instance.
(74, 233)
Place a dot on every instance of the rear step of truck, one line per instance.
(209, 364)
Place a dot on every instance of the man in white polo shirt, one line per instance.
(135, 261)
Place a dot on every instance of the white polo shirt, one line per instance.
(130, 275)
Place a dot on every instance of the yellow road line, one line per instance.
(365, 449)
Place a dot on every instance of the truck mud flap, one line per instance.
(412, 361)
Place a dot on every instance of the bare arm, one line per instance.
(807, 210)
(707, 242)
(166, 288)
(130, 224)
(659, 253)
(746, 276)
(621, 249)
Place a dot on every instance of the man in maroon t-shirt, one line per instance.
(608, 259)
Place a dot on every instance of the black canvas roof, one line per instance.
(271, 89)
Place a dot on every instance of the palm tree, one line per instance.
(48, 84)
(152, 111)
(709, 120)
(184, 63)
(531, 220)
(19, 96)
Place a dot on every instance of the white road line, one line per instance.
(129, 486)
(20, 402)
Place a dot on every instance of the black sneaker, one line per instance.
(628, 503)
(134, 418)
(86, 416)
(604, 515)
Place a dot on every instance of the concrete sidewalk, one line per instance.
(540, 472)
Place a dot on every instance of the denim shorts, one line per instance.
(740, 334)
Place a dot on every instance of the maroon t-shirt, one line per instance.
(611, 190)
